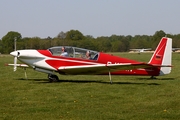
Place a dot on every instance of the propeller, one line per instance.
(16, 54)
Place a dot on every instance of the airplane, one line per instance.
(140, 50)
(50, 62)
(175, 49)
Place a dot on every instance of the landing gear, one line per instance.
(53, 78)
(152, 77)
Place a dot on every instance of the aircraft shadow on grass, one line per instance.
(92, 81)
(156, 79)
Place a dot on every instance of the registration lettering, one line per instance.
(112, 63)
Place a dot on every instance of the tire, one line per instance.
(53, 78)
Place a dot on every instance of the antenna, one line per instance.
(15, 43)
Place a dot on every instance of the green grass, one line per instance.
(89, 97)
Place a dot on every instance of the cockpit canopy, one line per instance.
(74, 52)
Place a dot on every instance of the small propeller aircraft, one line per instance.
(140, 50)
(175, 49)
(69, 60)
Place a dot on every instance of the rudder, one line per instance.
(163, 56)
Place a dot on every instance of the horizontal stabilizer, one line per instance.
(18, 65)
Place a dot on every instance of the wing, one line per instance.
(101, 68)
(140, 49)
(147, 49)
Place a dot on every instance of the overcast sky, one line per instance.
(43, 18)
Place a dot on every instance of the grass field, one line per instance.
(89, 97)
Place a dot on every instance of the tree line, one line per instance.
(113, 43)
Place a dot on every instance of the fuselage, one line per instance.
(47, 61)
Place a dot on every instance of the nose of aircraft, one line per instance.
(14, 53)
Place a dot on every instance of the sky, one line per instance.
(43, 18)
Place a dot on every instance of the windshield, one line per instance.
(74, 52)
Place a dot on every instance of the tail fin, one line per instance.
(163, 56)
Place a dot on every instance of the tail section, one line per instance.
(162, 56)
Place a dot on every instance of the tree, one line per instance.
(8, 41)
(116, 46)
(61, 35)
(89, 37)
(176, 40)
(1, 47)
(74, 35)
(156, 37)
(34, 43)
(159, 34)
(103, 44)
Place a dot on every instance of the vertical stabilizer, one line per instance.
(163, 55)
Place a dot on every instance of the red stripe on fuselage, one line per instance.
(58, 61)
(66, 62)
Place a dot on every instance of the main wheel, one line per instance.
(152, 77)
(53, 78)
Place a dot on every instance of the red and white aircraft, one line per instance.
(74, 63)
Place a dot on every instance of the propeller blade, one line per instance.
(15, 63)
(15, 58)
